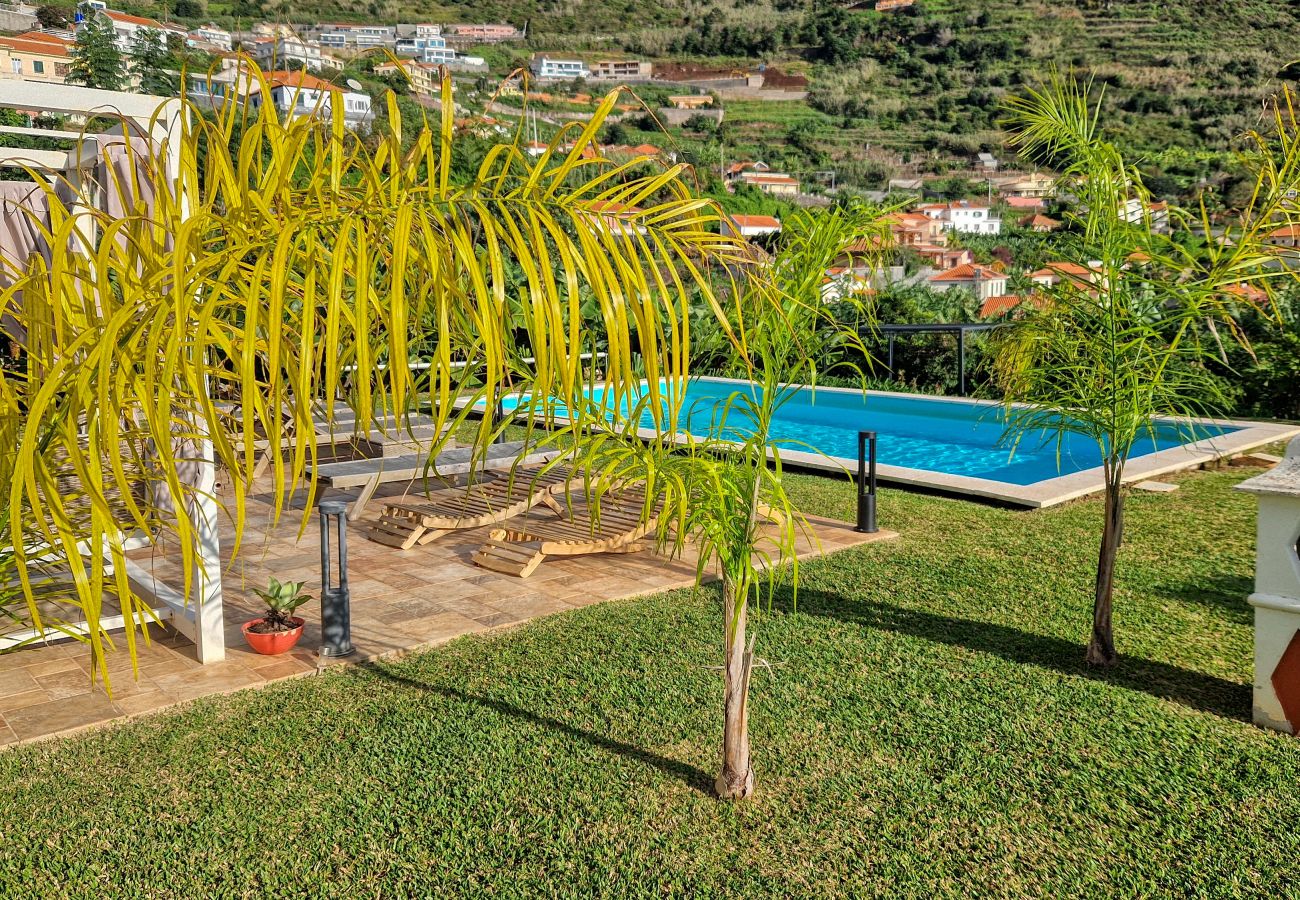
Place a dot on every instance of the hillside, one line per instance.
(919, 88)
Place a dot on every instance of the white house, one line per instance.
(210, 35)
(342, 36)
(982, 281)
(560, 69)
(428, 47)
(303, 94)
(750, 226)
(282, 52)
(125, 25)
(1157, 213)
(964, 216)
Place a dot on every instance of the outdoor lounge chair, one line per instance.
(524, 542)
(406, 523)
(368, 474)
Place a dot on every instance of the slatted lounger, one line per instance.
(406, 523)
(522, 543)
(369, 474)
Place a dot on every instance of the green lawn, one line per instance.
(927, 728)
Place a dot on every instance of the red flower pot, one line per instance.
(274, 642)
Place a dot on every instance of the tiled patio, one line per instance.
(401, 601)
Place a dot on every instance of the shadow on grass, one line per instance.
(1223, 592)
(1196, 690)
(684, 772)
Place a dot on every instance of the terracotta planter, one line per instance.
(277, 641)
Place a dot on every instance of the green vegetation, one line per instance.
(927, 728)
(97, 62)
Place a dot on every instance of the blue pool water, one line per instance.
(915, 432)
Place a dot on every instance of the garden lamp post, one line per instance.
(335, 601)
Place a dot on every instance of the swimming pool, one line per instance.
(957, 444)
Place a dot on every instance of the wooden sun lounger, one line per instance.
(406, 523)
(369, 474)
(524, 542)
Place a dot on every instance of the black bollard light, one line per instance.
(335, 601)
(867, 482)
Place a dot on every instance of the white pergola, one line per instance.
(198, 616)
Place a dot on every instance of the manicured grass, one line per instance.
(926, 728)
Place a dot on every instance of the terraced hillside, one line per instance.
(924, 84)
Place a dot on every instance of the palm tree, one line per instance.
(283, 263)
(718, 487)
(286, 266)
(1108, 353)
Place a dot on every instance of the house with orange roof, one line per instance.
(1039, 223)
(943, 257)
(424, 79)
(999, 306)
(1287, 236)
(1055, 273)
(982, 281)
(35, 56)
(746, 226)
(916, 229)
(1025, 203)
(300, 93)
(776, 183)
(126, 26)
(618, 218)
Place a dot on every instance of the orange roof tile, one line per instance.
(132, 20)
(300, 79)
(27, 43)
(1038, 220)
(756, 221)
(999, 305)
(967, 272)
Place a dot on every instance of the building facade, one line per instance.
(35, 56)
(559, 69)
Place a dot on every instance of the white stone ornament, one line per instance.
(1277, 594)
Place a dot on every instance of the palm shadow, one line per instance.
(684, 772)
(1227, 593)
(1196, 690)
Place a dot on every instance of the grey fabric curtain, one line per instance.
(24, 222)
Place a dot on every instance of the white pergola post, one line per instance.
(199, 617)
(1277, 594)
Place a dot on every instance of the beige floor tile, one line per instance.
(7, 734)
(25, 698)
(283, 667)
(214, 679)
(60, 715)
(440, 627)
(144, 702)
(17, 681)
(61, 685)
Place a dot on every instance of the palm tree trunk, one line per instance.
(1101, 648)
(736, 781)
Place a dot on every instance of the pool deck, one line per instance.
(401, 602)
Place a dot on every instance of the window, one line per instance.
(38, 67)
(17, 66)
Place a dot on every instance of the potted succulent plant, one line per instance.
(277, 630)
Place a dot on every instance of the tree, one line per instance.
(149, 63)
(718, 488)
(96, 61)
(1104, 354)
(54, 16)
(274, 296)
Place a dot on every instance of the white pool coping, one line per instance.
(1051, 491)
